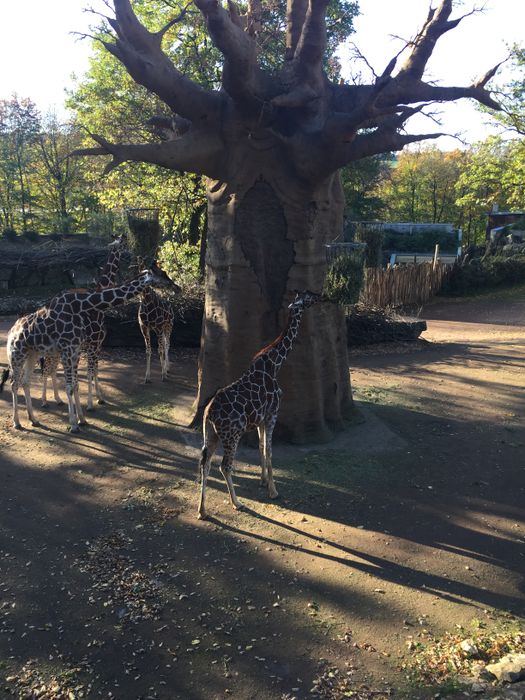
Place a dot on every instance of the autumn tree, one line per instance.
(270, 135)
(19, 127)
(422, 187)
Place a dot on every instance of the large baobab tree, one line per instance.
(270, 144)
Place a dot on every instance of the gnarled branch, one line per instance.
(141, 53)
(197, 152)
(239, 51)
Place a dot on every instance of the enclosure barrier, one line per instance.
(403, 285)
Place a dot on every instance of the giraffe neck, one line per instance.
(108, 276)
(276, 353)
(113, 296)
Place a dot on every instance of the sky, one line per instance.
(39, 52)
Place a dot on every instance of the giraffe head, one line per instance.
(155, 277)
(119, 242)
(304, 299)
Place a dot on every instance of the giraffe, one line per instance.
(59, 327)
(250, 402)
(156, 314)
(94, 333)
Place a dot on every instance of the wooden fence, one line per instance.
(402, 285)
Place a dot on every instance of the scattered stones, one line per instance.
(510, 668)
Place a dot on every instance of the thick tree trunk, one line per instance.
(266, 235)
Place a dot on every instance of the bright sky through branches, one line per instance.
(38, 53)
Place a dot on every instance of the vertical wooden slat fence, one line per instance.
(402, 285)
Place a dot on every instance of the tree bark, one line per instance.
(266, 236)
(271, 143)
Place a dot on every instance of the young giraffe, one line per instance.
(251, 402)
(156, 314)
(60, 327)
(94, 332)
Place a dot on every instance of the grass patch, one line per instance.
(316, 472)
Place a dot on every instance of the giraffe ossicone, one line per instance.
(251, 402)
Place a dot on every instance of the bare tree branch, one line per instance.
(141, 53)
(196, 152)
(423, 45)
(295, 16)
(239, 51)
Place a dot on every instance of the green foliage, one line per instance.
(106, 224)
(361, 185)
(511, 96)
(19, 127)
(181, 262)
(420, 242)
(373, 236)
(144, 233)
(344, 279)
(485, 273)
(420, 188)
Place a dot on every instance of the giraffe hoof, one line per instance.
(101, 402)
(238, 507)
(89, 408)
(74, 429)
(59, 403)
(18, 426)
(202, 515)
(147, 381)
(44, 405)
(83, 422)
(273, 494)
(36, 423)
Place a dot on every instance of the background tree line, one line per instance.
(44, 189)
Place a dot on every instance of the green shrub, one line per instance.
(373, 236)
(496, 271)
(344, 279)
(420, 242)
(144, 232)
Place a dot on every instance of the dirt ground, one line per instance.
(408, 524)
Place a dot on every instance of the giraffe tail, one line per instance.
(5, 376)
(199, 413)
(42, 362)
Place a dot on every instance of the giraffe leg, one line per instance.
(261, 429)
(167, 341)
(78, 406)
(90, 378)
(98, 391)
(26, 385)
(53, 368)
(45, 373)
(49, 369)
(267, 459)
(162, 355)
(54, 381)
(230, 448)
(17, 367)
(147, 341)
(211, 441)
(68, 362)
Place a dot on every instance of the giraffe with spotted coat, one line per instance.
(251, 402)
(94, 333)
(156, 315)
(59, 328)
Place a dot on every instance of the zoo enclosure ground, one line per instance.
(407, 525)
